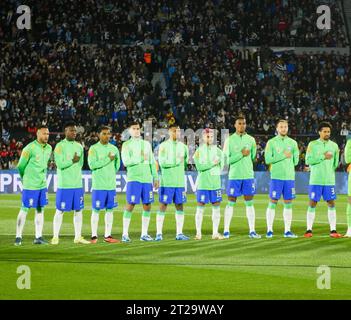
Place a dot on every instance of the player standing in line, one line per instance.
(323, 158)
(348, 210)
(32, 168)
(69, 159)
(138, 158)
(173, 160)
(104, 162)
(282, 155)
(209, 162)
(240, 151)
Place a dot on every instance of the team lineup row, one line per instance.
(239, 153)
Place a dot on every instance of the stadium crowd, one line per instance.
(54, 74)
(211, 22)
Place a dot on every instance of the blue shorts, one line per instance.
(315, 192)
(237, 188)
(277, 188)
(70, 199)
(35, 198)
(103, 199)
(167, 195)
(137, 190)
(206, 196)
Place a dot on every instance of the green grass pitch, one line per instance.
(237, 268)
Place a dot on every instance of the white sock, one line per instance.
(94, 223)
(39, 223)
(78, 223)
(160, 217)
(57, 222)
(179, 221)
(311, 213)
(250, 214)
(198, 219)
(228, 214)
(108, 223)
(287, 214)
(127, 215)
(270, 215)
(145, 220)
(332, 218)
(216, 218)
(21, 220)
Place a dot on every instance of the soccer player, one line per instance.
(173, 160)
(32, 168)
(104, 162)
(323, 158)
(138, 158)
(282, 155)
(209, 162)
(69, 159)
(240, 151)
(348, 212)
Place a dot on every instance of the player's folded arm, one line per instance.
(60, 163)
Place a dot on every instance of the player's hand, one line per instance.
(76, 158)
(245, 152)
(111, 156)
(328, 155)
(288, 154)
(156, 184)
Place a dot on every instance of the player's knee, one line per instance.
(288, 205)
(331, 204)
(24, 209)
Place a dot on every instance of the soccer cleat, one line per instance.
(109, 239)
(289, 234)
(198, 237)
(308, 234)
(81, 240)
(159, 237)
(335, 234)
(182, 237)
(94, 240)
(126, 239)
(347, 235)
(226, 235)
(146, 238)
(18, 241)
(217, 236)
(55, 241)
(269, 234)
(254, 235)
(40, 240)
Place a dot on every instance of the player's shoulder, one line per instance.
(334, 144)
(112, 147)
(250, 137)
(313, 142)
(164, 144)
(94, 146)
(126, 143)
(292, 140)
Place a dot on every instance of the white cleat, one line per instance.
(217, 236)
(55, 241)
(198, 237)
